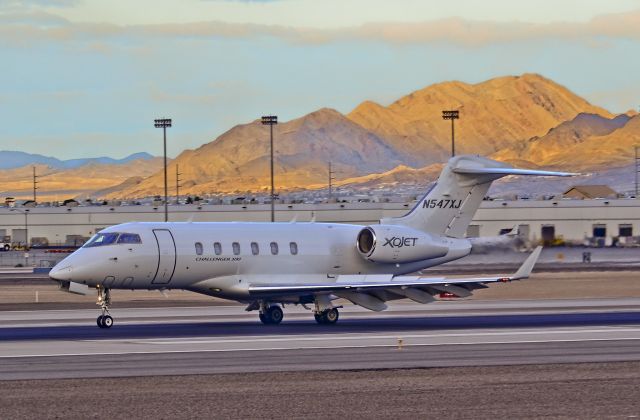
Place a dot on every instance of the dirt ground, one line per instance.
(571, 285)
(596, 390)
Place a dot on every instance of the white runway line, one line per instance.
(314, 348)
(325, 341)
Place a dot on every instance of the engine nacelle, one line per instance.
(399, 244)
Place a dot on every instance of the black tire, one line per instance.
(263, 318)
(319, 318)
(331, 316)
(99, 321)
(274, 315)
(7, 247)
(107, 321)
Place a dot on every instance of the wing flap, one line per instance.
(364, 283)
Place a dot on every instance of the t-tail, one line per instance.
(449, 206)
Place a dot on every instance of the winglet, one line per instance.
(527, 266)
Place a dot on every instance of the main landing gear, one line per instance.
(328, 316)
(271, 315)
(104, 301)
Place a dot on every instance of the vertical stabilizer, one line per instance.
(447, 209)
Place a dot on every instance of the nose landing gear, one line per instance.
(104, 301)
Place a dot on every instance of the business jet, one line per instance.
(269, 265)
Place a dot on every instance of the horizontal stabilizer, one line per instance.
(507, 171)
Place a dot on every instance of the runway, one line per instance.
(225, 339)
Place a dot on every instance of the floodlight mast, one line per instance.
(452, 115)
(164, 123)
(271, 120)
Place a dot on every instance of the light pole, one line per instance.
(271, 120)
(26, 225)
(164, 123)
(451, 115)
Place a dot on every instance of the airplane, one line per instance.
(269, 265)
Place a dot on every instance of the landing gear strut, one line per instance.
(104, 301)
(328, 316)
(271, 314)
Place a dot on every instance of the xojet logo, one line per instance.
(397, 242)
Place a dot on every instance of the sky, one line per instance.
(85, 78)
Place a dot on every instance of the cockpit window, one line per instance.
(110, 238)
(101, 239)
(129, 238)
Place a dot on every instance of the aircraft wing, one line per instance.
(349, 286)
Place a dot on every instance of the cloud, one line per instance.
(12, 4)
(455, 31)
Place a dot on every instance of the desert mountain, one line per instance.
(548, 148)
(59, 184)
(600, 152)
(502, 113)
(495, 114)
(12, 160)
(238, 160)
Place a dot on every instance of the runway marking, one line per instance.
(394, 345)
(353, 336)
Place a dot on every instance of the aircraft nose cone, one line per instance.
(61, 273)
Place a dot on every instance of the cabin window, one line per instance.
(293, 247)
(129, 238)
(199, 248)
(274, 248)
(255, 249)
(217, 248)
(236, 248)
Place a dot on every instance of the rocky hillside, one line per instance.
(494, 115)
(80, 182)
(238, 160)
(498, 115)
(588, 142)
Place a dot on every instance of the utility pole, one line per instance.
(331, 179)
(452, 115)
(177, 185)
(271, 120)
(164, 123)
(637, 170)
(35, 182)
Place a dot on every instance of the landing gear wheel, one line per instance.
(107, 321)
(273, 315)
(327, 317)
(331, 316)
(104, 301)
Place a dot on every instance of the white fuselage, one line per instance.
(187, 255)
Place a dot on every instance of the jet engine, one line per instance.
(399, 244)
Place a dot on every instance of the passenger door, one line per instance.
(166, 256)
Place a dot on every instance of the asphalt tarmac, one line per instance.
(225, 339)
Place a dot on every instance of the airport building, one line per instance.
(599, 222)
